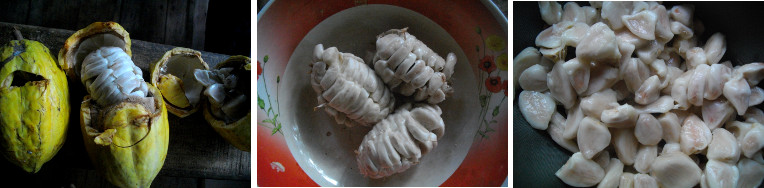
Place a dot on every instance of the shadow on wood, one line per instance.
(195, 149)
(177, 23)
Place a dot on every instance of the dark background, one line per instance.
(537, 157)
(213, 26)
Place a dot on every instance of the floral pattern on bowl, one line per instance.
(472, 26)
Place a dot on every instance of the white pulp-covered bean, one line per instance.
(671, 127)
(634, 73)
(645, 157)
(662, 105)
(695, 135)
(644, 181)
(613, 173)
(409, 67)
(696, 85)
(599, 45)
(641, 24)
(575, 116)
(719, 174)
(715, 48)
(716, 112)
(349, 90)
(641, 75)
(625, 145)
(551, 12)
(578, 74)
(537, 108)
(601, 78)
(723, 147)
(753, 140)
(627, 180)
(754, 115)
(573, 35)
(718, 74)
(399, 141)
(603, 159)
(757, 96)
(675, 170)
(649, 91)
(681, 30)
(525, 59)
(560, 87)
(594, 104)
(534, 78)
(752, 72)
(682, 13)
(612, 11)
(623, 116)
(751, 173)
(737, 91)
(592, 137)
(110, 76)
(580, 171)
(556, 129)
(648, 130)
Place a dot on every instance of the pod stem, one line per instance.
(17, 33)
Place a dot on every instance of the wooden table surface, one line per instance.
(195, 150)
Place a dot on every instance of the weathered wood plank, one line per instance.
(109, 9)
(176, 32)
(35, 12)
(87, 13)
(129, 16)
(177, 23)
(154, 23)
(145, 19)
(14, 11)
(54, 13)
(223, 183)
(195, 149)
(97, 11)
(180, 182)
(93, 179)
(198, 14)
(77, 177)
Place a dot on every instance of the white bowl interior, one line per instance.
(324, 149)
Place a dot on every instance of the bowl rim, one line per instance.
(291, 136)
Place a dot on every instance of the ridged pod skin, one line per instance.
(126, 142)
(237, 132)
(34, 104)
(169, 89)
